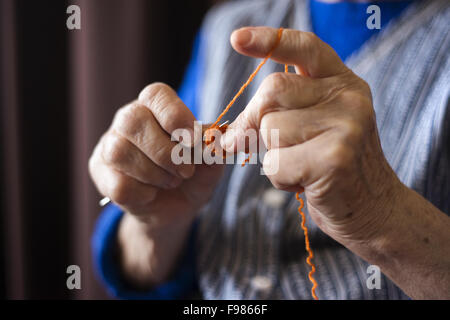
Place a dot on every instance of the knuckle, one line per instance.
(153, 90)
(130, 120)
(272, 87)
(115, 150)
(339, 157)
(361, 107)
(352, 129)
(160, 99)
(167, 116)
(355, 98)
(275, 83)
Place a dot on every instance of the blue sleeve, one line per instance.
(190, 86)
(104, 240)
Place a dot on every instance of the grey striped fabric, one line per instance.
(250, 244)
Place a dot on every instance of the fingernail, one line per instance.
(227, 141)
(186, 171)
(245, 38)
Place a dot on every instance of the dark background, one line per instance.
(59, 91)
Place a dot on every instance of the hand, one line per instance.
(132, 162)
(329, 142)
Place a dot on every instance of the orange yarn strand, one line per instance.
(297, 195)
(305, 231)
(250, 79)
(308, 248)
(246, 160)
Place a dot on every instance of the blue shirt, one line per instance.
(343, 26)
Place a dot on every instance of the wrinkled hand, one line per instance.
(329, 143)
(132, 162)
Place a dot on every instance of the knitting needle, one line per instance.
(104, 201)
(226, 122)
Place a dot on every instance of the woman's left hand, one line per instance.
(328, 138)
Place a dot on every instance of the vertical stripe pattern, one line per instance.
(251, 248)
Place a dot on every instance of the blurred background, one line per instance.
(59, 89)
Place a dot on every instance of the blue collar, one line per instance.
(343, 24)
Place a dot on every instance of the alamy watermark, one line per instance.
(74, 279)
(374, 20)
(250, 141)
(73, 22)
(374, 279)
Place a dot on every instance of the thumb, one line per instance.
(241, 133)
(303, 49)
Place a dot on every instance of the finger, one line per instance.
(123, 156)
(138, 125)
(122, 189)
(295, 126)
(305, 164)
(302, 49)
(278, 92)
(168, 109)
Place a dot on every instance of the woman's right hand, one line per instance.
(132, 162)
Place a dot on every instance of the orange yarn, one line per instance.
(308, 248)
(250, 79)
(209, 140)
(246, 160)
(209, 136)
